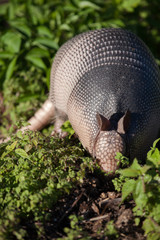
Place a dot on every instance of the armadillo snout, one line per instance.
(107, 145)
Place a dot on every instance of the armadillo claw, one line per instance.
(59, 132)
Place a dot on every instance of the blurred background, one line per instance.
(31, 32)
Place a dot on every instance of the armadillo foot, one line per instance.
(57, 128)
(61, 117)
(60, 133)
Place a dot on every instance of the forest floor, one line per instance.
(98, 203)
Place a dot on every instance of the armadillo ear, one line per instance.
(124, 122)
(103, 123)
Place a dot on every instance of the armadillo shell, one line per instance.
(108, 71)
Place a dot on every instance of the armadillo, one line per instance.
(107, 83)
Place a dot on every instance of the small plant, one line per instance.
(142, 183)
(76, 231)
(110, 231)
(34, 172)
(66, 127)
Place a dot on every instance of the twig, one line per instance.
(105, 201)
(69, 210)
(96, 218)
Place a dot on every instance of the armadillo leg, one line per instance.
(42, 117)
(61, 117)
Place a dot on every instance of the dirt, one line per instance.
(98, 203)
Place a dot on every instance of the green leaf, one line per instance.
(66, 127)
(4, 154)
(19, 134)
(28, 147)
(129, 172)
(153, 156)
(12, 10)
(26, 97)
(150, 225)
(155, 142)
(87, 4)
(145, 168)
(147, 226)
(6, 55)
(11, 68)
(4, 8)
(35, 142)
(134, 170)
(129, 5)
(12, 41)
(38, 52)
(135, 165)
(12, 146)
(22, 153)
(36, 61)
(139, 187)
(128, 188)
(44, 31)
(139, 194)
(46, 42)
(137, 221)
(65, 27)
(20, 26)
(36, 14)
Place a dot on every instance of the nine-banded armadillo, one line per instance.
(106, 82)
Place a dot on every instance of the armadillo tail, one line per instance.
(42, 117)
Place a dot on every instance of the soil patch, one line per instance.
(98, 203)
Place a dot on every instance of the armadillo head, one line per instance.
(109, 141)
